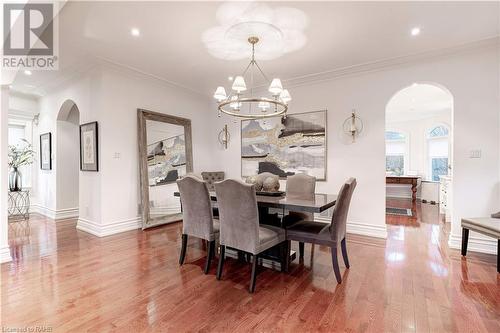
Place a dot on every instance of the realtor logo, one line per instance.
(29, 36)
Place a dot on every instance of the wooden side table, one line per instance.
(406, 180)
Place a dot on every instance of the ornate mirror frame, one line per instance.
(142, 117)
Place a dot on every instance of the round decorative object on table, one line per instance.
(270, 182)
(256, 181)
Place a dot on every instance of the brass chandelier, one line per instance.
(246, 105)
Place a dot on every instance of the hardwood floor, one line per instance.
(71, 281)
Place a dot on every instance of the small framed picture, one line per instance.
(89, 150)
(46, 151)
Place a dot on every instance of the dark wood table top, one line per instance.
(402, 177)
(320, 203)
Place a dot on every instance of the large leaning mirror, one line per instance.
(165, 152)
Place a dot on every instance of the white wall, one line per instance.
(84, 91)
(472, 78)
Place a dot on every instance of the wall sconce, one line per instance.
(224, 137)
(353, 126)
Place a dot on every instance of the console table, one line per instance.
(405, 180)
(19, 205)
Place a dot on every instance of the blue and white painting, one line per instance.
(285, 146)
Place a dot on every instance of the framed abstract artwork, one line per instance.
(285, 146)
(46, 151)
(89, 147)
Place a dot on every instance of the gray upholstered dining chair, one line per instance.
(331, 234)
(197, 216)
(299, 186)
(211, 177)
(239, 225)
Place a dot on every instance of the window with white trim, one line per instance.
(16, 136)
(395, 152)
(438, 144)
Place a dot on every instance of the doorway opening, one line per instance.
(67, 160)
(418, 154)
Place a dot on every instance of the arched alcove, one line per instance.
(67, 159)
(416, 110)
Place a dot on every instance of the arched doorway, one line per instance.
(67, 160)
(419, 146)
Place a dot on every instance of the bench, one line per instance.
(489, 226)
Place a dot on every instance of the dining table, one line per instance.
(272, 210)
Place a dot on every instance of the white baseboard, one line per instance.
(5, 255)
(363, 229)
(475, 244)
(58, 214)
(110, 228)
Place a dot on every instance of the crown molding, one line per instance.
(20, 94)
(384, 64)
(108, 63)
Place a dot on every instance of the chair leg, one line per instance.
(284, 259)
(301, 249)
(465, 240)
(183, 249)
(254, 273)
(335, 263)
(222, 250)
(343, 246)
(210, 255)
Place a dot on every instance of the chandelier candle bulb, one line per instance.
(285, 96)
(264, 106)
(234, 104)
(220, 94)
(239, 84)
(276, 88)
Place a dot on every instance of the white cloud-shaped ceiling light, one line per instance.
(280, 30)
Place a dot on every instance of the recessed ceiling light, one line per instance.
(135, 32)
(230, 78)
(415, 31)
(27, 72)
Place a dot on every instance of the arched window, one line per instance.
(438, 144)
(395, 152)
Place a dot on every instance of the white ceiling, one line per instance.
(339, 34)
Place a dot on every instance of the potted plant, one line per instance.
(19, 156)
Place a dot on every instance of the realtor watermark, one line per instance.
(30, 36)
